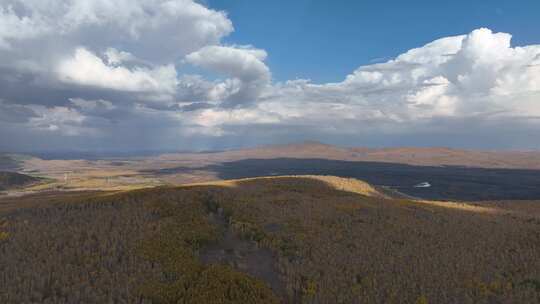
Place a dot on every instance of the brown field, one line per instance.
(291, 239)
(434, 156)
(461, 174)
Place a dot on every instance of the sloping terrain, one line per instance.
(10, 162)
(292, 239)
(14, 180)
(132, 247)
(454, 174)
(447, 183)
(419, 156)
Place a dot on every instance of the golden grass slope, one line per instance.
(339, 183)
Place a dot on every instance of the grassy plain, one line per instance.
(468, 175)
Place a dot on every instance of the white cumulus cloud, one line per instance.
(245, 66)
(140, 25)
(87, 69)
(473, 74)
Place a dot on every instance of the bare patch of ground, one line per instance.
(243, 255)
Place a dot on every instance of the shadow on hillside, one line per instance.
(448, 182)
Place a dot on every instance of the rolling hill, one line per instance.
(10, 180)
(429, 156)
(285, 239)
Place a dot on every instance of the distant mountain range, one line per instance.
(431, 156)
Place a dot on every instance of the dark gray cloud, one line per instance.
(14, 113)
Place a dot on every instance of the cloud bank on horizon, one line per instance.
(155, 74)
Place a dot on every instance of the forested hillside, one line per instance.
(267, 240)
(12, 180)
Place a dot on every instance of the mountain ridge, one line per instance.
(423, 156)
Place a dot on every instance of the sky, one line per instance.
(128, 75)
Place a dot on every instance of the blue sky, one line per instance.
(219, 74)
(325, 40)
